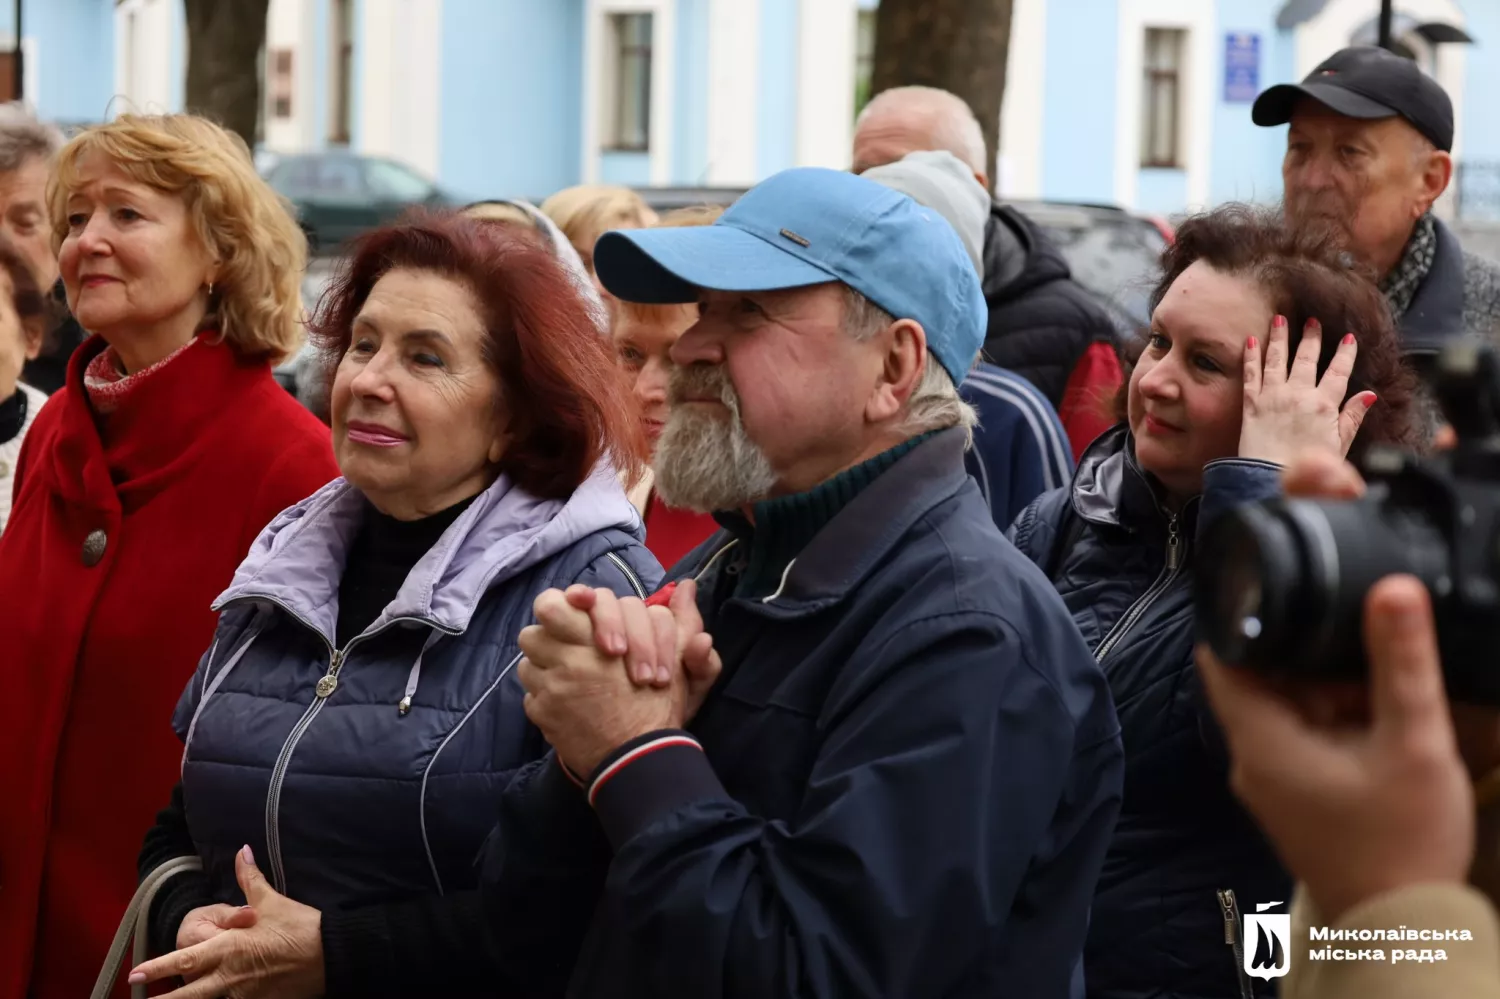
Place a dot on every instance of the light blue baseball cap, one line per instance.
(809, 226)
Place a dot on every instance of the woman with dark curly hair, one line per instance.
(1264, 342)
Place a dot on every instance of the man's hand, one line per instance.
(1364, 798)
(279, 955)
(621, 627)
(582, 699)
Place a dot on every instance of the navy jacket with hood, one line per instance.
(1163, 913)
(346, 796)
(908, 776)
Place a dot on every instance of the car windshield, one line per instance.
(310, 176)
(393, 182)
(1116, 257)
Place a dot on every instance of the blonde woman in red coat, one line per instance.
(139, 489)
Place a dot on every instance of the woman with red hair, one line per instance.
(358, 714)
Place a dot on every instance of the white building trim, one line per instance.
(826, 40)
(398, 81)
(1198, 89)
(143, 57)
(734, 91)
(1320, 37)
(1018, 172)
(663, 81)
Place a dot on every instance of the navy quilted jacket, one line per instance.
(381, 782)
(1158, 926)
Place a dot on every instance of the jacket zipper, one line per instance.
(630, 576)
(1231, 910)
(326, 685)
(1168, 574)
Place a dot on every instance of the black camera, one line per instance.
(1281, 584)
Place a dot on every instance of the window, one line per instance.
(627, 104)
(1161, 98)
(394, 182)
(343, 68)
(281, 83)
(864, 58)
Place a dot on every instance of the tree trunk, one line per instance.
(957, 45)
(224, 39)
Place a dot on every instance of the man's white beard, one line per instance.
(704, 460)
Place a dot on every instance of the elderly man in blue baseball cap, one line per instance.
(857, 748)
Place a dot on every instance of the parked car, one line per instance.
(1115, 254)
(339, 195)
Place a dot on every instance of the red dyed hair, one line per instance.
(565, 401)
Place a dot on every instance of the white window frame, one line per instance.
(596, 77)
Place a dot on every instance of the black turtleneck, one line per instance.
(381, 557)
(12, 416)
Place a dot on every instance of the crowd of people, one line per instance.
(792, 599)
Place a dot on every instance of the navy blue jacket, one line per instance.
(385, 786)
(1020, 447)
(1159, 922)
(909, 772)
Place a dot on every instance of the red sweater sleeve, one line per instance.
(1087, 408)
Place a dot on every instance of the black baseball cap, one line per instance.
(1364, 81)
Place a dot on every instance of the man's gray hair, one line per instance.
(951, 121)
(935, 403)
(23, 137)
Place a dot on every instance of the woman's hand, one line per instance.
(279, 954)
(208, 921)
(1288, 412)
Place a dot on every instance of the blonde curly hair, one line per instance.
(257, 304)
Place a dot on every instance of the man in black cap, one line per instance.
(1369, 149)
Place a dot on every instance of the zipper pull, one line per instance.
(329, 682)
(1173, 545)
(1226, 903)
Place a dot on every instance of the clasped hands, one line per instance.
(600, 670)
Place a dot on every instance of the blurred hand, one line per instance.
(1359, 794)
(1287, 412)
(279, 955)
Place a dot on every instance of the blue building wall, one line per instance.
(322, 98)
(690, 102)
(628, 168)
(1481, 124)
(1246, 160)
(1078, 117)
(1160, 192)
(776, 115)
(512, 96)
(75, 52)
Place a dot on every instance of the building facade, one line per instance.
(1140, 103)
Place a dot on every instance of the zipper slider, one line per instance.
(329, 682)
(1173, 543)
(1226, 903)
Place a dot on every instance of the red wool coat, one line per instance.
(100, 632)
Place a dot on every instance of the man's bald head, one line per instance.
(911, 119)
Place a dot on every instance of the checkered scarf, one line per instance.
(1401, 284)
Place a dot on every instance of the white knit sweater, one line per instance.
(10, 451)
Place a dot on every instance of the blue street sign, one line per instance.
(1241, 66)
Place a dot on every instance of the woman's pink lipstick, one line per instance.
(373, 434)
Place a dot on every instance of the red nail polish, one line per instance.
(1348, 338)
(1279, 321)
(1250, 344)
(1313, 324)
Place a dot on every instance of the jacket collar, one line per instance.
(297, 562)
(151, 435)
(1110, 489)
(1436, 312)
(865, 532)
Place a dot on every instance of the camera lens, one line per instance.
(1281, 586)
